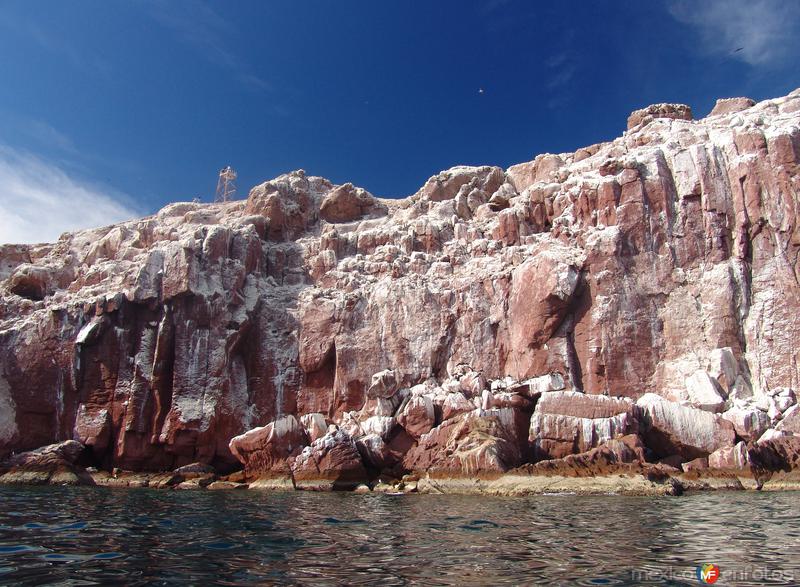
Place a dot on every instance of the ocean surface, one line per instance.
(100, 536)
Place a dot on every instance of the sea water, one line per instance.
(101, 536)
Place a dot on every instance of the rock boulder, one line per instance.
(569, 422)
(331, 462)
(268, 448)
(671, 428)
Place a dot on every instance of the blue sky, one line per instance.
(110, 110)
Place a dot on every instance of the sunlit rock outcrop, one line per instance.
(316, 332)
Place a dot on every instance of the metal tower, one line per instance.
(226, 186)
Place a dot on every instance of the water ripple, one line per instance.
(140, 537)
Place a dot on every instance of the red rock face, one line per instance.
(664, 261)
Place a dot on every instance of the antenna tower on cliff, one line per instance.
(226, 186)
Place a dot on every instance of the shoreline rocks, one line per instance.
(55, 464)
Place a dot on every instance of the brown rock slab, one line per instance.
(269, 447)
(55, 464)
(225, 485)
(478, 442)
(418, 416)
(645, 115)
(330, 463)
(730, 105)
(346, 203)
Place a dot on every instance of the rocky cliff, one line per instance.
(643, 289)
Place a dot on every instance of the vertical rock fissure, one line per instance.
(573, 363)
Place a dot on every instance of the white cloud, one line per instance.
(561, 78)
(39, 201)
(559, 71)
(759, 32)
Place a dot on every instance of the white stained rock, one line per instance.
(418, 416)
(579, 421)
(472, 384)
(791, 421)
(767, 405)
(90, 331)
(91, 425)
(723, 367)
(498, 385)
(279, 438)
(455, 404)
(351, 424)
(732, 457)
(784, 398)
(542, 384)
(741, 389)
(374, 450)
(772, 434)
(749, 423)
(315, 425)
(227, 282)
(8, 413)
(421, 389)
(379, 406)
(379, 425)
(677, 429)
(451, 386)
(774, 412)
(383, 384)
(704, 392)
(486, 399)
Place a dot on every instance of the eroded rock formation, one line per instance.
(317, 332)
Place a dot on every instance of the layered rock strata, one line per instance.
(495, 321)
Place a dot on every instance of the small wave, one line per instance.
(331, 520)
(70, 558)
(220, 545)
(477, 525)
(55, 527)
(15, 548)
